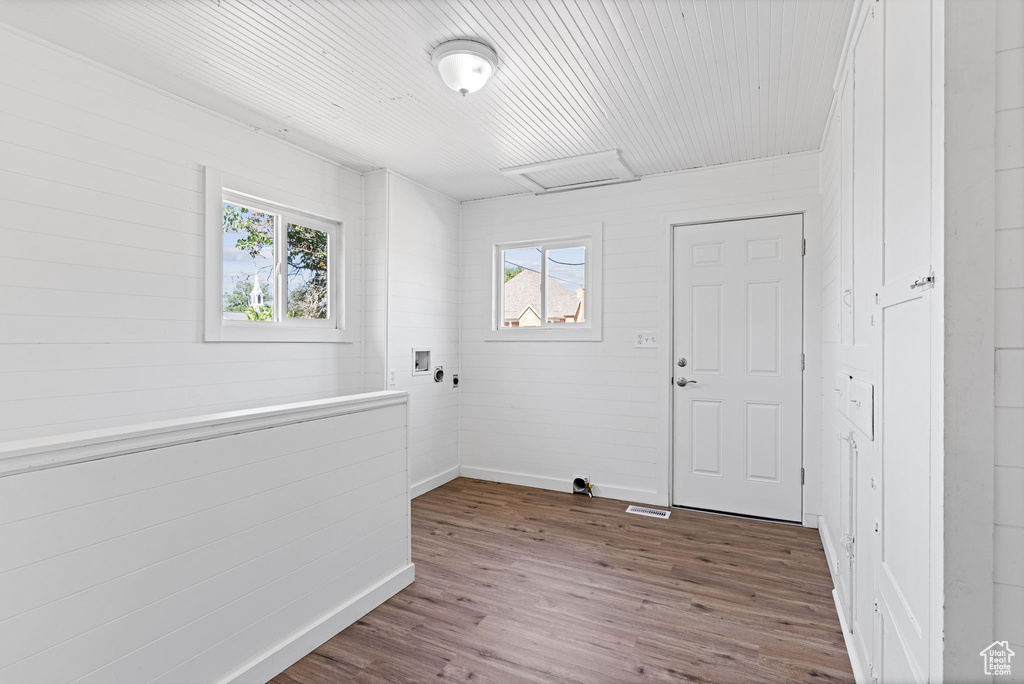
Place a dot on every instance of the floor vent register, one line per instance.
(649, 512)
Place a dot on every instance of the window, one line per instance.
(547, 289)
(274, 273)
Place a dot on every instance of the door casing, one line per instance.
(810, 207)
(803, 402)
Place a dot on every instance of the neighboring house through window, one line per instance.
(522, 300)
(548, 288)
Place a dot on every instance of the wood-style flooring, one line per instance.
(525, 585)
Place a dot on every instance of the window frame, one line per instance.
(590, 238)
(218, 329)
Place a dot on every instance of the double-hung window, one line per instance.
(274, 273)
(547, 289)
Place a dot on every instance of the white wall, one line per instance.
(218, 548)
(969, 238)
(1009, 329)
(538, 413)
(412, 242)
(101, 252)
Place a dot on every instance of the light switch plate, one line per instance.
(647, 340)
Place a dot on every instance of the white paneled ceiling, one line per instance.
(672, 84)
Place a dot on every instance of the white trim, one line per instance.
(412, 181)
(810, 208)
(49, 452)
(592, 237)
(584, 186)
(362, 290)
(458, 368)
(861, 672)
(662, 174)
(611, 157)
(852, 32)
(857, 20)
(387, 279)
(433, 482)
(291, 649)
(213, 307)
(603, 491)
(826, 543)
(408, 483)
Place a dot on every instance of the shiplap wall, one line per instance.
(101, 261)
(423, 312)
(203, 559)
(412, 300)
(538, 413)
(1009, 421)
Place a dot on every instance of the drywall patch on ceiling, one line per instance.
(570, 173)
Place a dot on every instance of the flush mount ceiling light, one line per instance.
(464, 65)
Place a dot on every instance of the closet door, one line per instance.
(907, 570)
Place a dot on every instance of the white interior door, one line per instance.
(738, 321)
(906, 576)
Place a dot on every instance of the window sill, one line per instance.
(247, 333)
(543, 335)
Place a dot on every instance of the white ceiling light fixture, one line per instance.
(464, 65)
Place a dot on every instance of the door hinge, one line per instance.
(802, 474)
(803, 247)
(803, 362)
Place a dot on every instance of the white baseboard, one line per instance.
(426, 485)
(539, 482)
(294, 647)
(857, 661)
(811, 520)
(830, 554)
(859, 674)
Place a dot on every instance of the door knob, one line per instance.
(683, 382)
(681, 362)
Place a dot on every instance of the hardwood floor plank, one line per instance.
(524, 585)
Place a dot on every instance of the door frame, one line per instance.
(811, 443)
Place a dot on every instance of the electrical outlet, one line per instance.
(392, 379)
(647, 340)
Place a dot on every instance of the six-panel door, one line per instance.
(738, 325)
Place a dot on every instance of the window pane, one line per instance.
(307, 272)
(248, 271)
(566, 295)
(521, 288)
